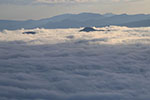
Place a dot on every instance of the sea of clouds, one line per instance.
(65, 64)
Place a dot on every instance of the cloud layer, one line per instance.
(56, 1)
(65, 64)
(62, 1)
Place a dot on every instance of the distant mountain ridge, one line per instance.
(79, 20)
(143, 23)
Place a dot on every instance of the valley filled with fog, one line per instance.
(65, 64)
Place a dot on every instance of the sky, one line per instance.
(38, 9)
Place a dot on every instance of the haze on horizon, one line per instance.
(37, 9)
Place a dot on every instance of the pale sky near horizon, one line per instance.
(37, 9)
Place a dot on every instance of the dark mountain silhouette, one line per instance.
(79, 20)
(29, 32)
(124, 18)
(142, 23)
(88, 29)
(98, 21)
(108, 14)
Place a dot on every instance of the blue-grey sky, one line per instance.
(37, 9)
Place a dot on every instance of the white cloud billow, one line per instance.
(63, 1)
(57, 1)
(65, 64)
(79, 1)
